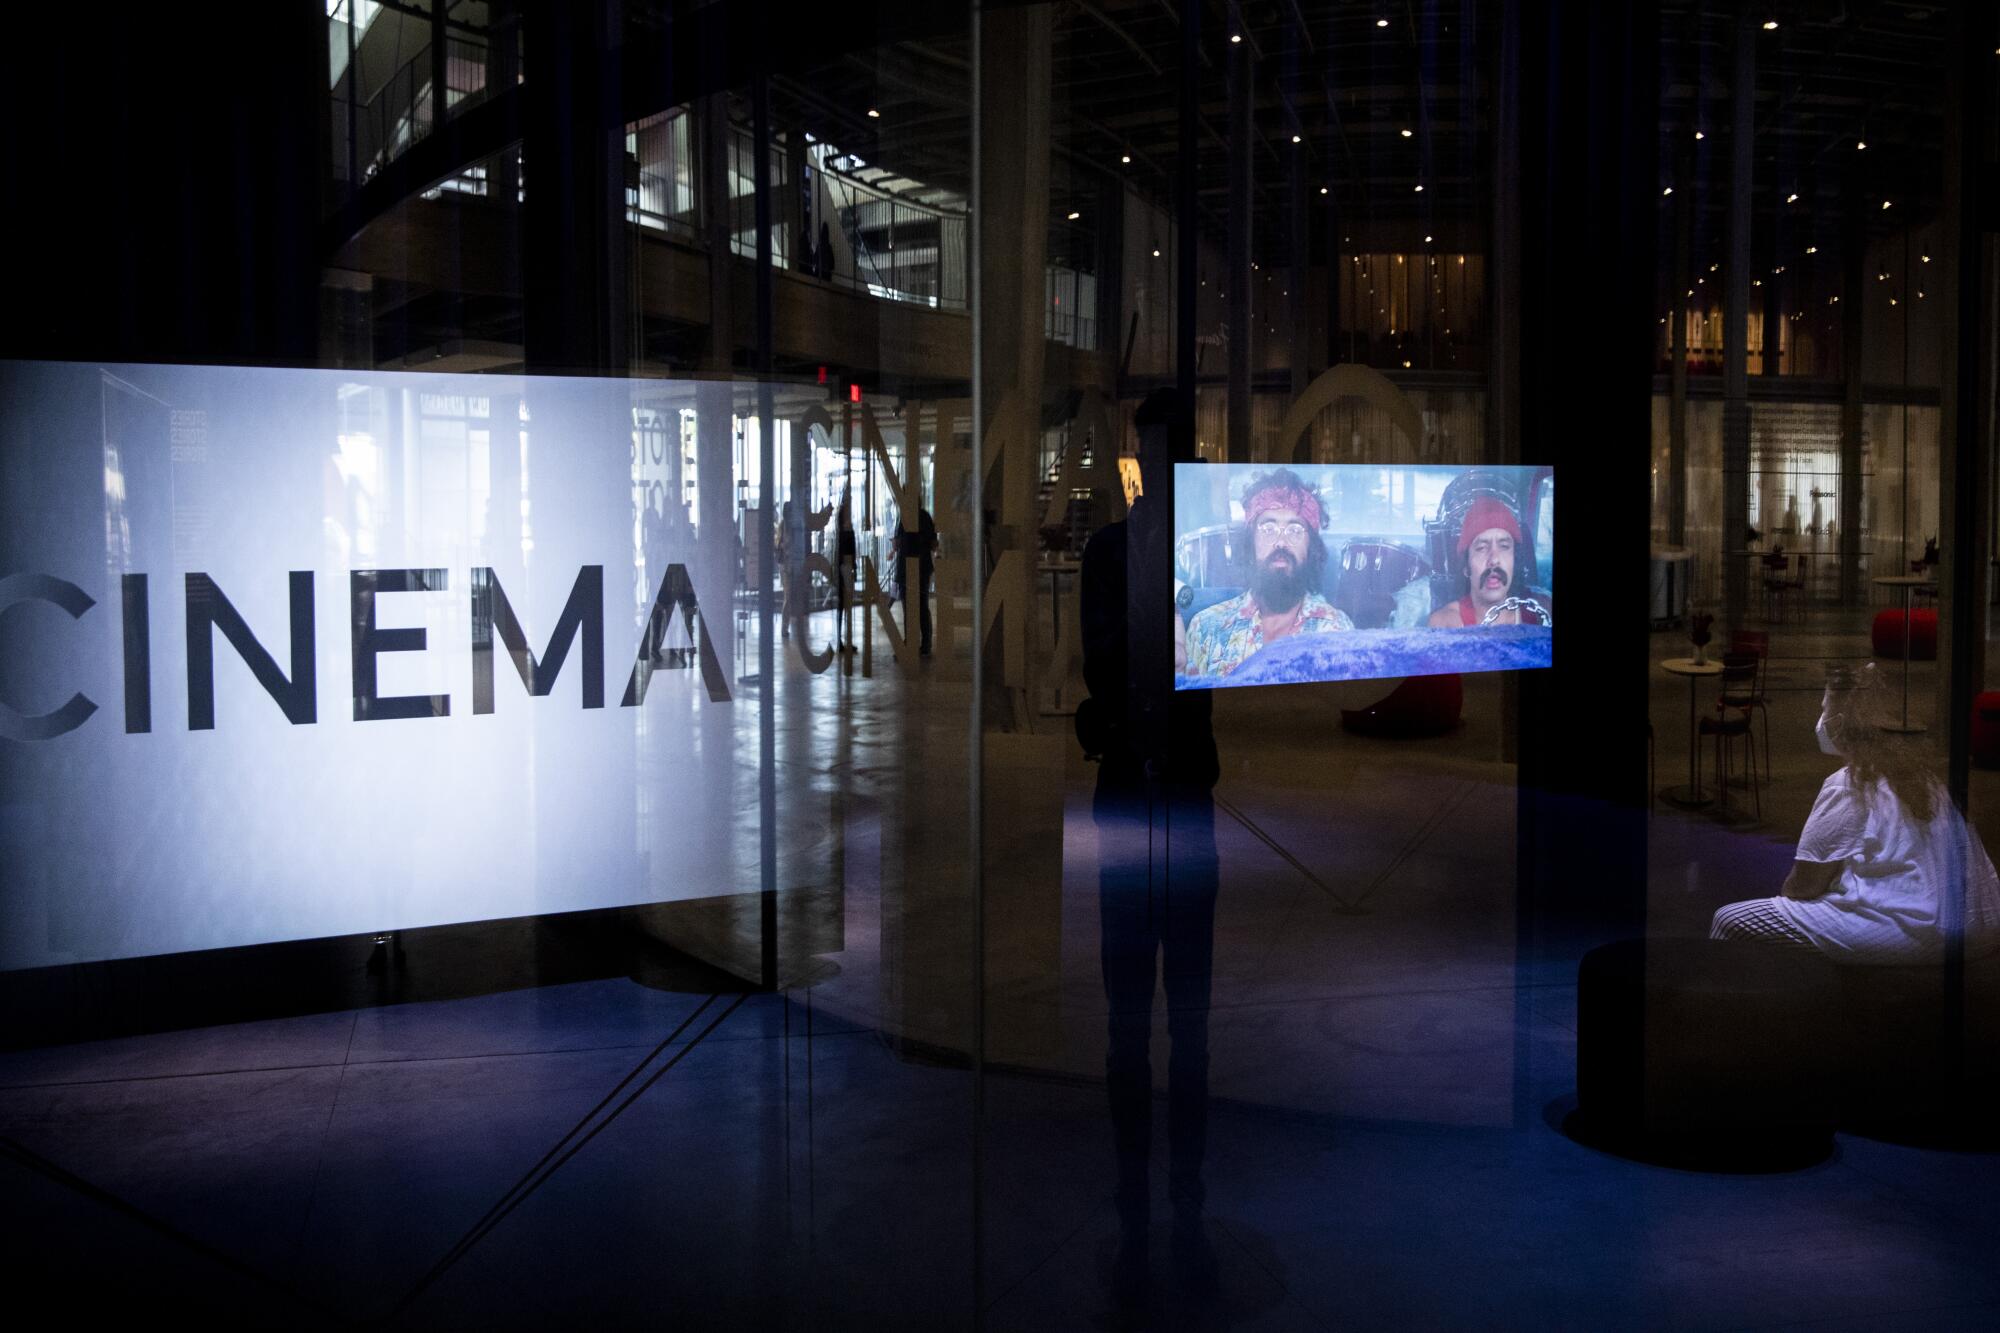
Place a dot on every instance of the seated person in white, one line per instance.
(1886, 867)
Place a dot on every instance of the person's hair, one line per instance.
(1856, 707)
(1314, 565)
(1163, 407)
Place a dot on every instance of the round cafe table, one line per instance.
(1908, 583)
(1691, 796)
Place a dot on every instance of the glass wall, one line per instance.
(1044, 788)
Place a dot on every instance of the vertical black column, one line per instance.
(574, 277)
(1965, 430)
(1588, 203)
(1238, 291)
(1736, 323)
(1187, 227)
(1853, 286)
(1677, 344)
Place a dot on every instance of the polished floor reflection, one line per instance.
(1386, 1070)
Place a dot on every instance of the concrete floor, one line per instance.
(1387, 1071)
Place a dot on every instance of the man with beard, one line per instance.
(1489, 542)
(1287, 555)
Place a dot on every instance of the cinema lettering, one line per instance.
(291, 654)
(294, 687)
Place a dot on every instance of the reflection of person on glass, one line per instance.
(1489, 544)
(1155, 821)
(1886, 868)
(1287, 557)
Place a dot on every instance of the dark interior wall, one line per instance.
(1585, 77)
(164, 167)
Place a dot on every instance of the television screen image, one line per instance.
(1292, 573)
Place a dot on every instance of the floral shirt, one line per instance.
(1224, 636)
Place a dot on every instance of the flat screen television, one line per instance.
(1355, 571)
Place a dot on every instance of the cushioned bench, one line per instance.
(1917, 1060)
(1707, 1053)
(1886, 634)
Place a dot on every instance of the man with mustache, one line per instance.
(1286, 557)
(1489, 542)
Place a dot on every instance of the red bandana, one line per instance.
(1297, 499)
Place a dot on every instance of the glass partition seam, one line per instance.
(976, 753)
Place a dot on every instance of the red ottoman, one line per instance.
(1887, 634)
(1986, 729)
(1420, 706)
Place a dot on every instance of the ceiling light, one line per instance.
(1770, 25)
(1756, 282)
(1664, 193)
(1381, 23)
(1409, 133)
(1699, 135)
(1074, 216)
(1927, 259)
(1791, 198)
(1420, 189)
(1406, 365)
(1235, 38)
(1156, 254)
(1427, 240)
(1126, 159)
(1860, 144)
(1322, 189)
(1812, 249)
(1885, 203)
(873, 114)
(1713, 267)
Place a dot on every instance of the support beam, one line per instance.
(1589, 202)
(1736, 325)
(1237, 309)
(1853, 349)
(576, 294)
(1677, 343)
(1965, 442)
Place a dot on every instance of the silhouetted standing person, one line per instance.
(921, 545)
(845, 557)
(1155, 818)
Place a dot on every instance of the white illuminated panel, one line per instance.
(159, 796)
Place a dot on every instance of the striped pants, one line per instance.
(1758, 919)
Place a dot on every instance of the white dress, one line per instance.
(1895, 894)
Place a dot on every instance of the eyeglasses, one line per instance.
(1269, 528)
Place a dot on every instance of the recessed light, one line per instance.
(1074, 216)
(1791, 198)
(1812, 249)
(1409, 134)
(1297, 139)
(1156, 254)
(1427, 240)
(1235, 38)
(1664, 193)
(873, 114)
(1860, 144)
(1126, 158)
(1419, 189)
(1885, 203)
(1699, 135)
(1381, 23)
(1322, 189)
(1770, 25)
